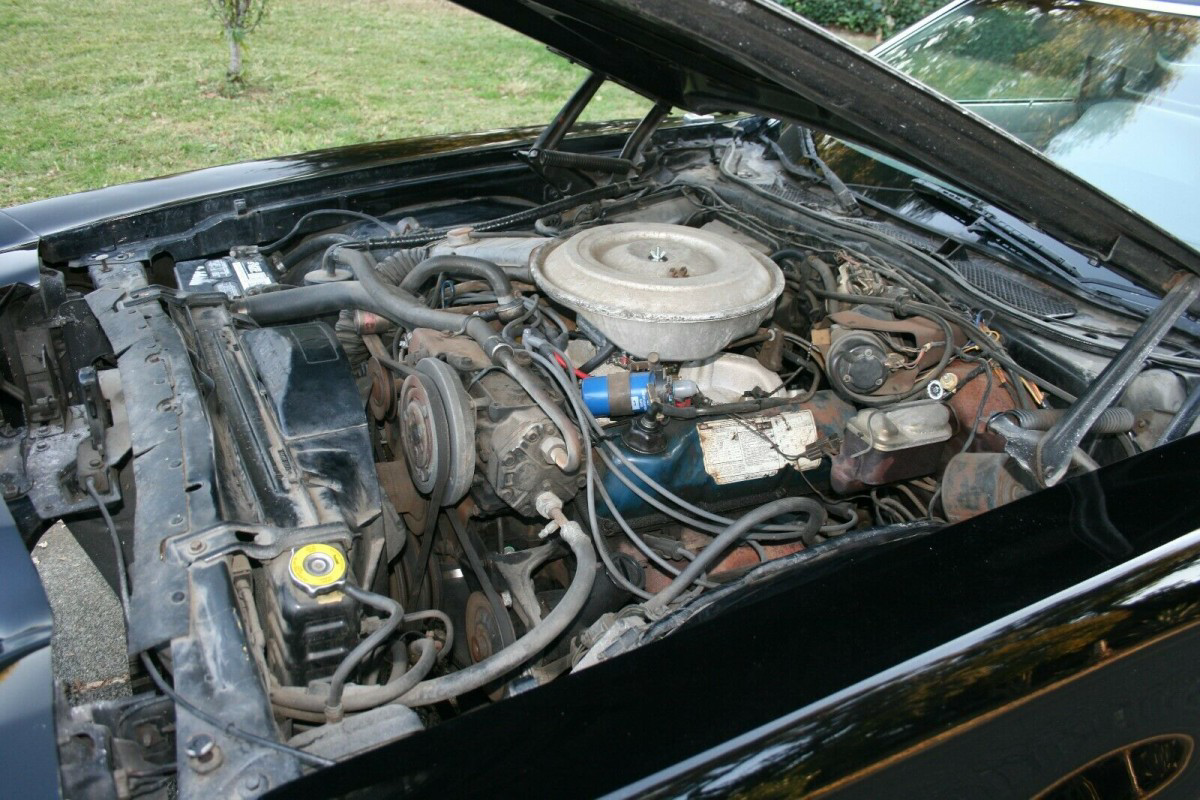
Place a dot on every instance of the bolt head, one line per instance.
(201, 747)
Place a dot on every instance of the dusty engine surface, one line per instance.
(423, 478)
(360, 463)
(709, 381)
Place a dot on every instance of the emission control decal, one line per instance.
(754, 447)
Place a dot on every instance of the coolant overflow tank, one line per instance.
(310, 625)
(657, 288)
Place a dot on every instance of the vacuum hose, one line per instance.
(371, 293)
(537, 639)
(743, 525)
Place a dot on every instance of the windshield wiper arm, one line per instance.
(989, 224)
(845, 198)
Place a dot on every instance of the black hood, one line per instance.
(752, 55)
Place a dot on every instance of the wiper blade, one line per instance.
(986, 222)
(845, 198)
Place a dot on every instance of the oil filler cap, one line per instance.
(318, 568)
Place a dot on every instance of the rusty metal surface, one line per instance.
(979, 482)
(965, 404)
(399, 488)
(737, 558)
(923, 333)
(382, 399)
(460, 352)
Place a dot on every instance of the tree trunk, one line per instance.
(235, 58)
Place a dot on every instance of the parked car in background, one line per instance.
(1109, 92)
(828, 439)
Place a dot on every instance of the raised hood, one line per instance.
(753, 55)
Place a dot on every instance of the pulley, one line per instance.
(437, 425)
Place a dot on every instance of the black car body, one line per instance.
(270, 465)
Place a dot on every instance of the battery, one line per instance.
(240, 273)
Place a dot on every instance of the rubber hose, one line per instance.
(601, 356)
(742, 526)
(333, 704)
(1113, 420)
(440, 616)
(310, 247)
(308, 301)
(828, 281)
(370, 293)
(468, 266)
(391, 269)
(357, 698)
(401, 306)
(535, 641)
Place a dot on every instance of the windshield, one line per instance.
(1111, 94)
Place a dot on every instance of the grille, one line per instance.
(984, 277)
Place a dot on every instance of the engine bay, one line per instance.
(390, 468)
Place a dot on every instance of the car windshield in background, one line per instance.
(1112, 94)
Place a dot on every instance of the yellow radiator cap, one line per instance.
(318, 567)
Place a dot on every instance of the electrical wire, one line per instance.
(590, 475)
(339, 212)
(227, 728)
(784, 532)
(987, 370)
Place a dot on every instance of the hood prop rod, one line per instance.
(1052, 457)
(553, 134)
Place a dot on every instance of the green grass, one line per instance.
(107, 91)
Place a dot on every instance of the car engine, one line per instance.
(360, 483)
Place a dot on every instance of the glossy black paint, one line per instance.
(811, 677)
(197, 214)
(753, 55)
(28, 752)
(820, 673)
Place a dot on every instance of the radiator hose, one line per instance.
(371, 293)
(522, 650)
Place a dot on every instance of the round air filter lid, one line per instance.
(651, 287)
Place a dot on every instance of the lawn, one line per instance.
(110, 91)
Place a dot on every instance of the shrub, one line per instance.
(879, 17)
